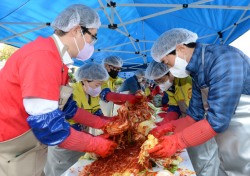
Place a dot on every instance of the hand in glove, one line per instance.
(165, 108)
(167, 117)
(182, 123)
(110, 119)
(103, 146)
(83, 142)
(84, 117)
(122, 98)
(167, 146)
(194, 135)
(173, 126)
(162, 130)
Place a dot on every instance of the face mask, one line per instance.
(179, 68)
(86, 52)
(139, 80)
(94, 92)
(165, 86)
(113, 73)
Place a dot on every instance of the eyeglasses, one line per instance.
(115, 68)
(94, 38)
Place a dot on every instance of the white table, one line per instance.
(78, 166)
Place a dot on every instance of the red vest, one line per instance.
(35, 70)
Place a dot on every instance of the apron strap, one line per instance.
(204, 91)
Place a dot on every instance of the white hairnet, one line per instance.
(156, 70)
(91, 71)
(140, 73)
(167, 42)
(74, 15)
(113, 60)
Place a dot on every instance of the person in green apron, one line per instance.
(217, 125)
(33, 92)
(179, 90)
(109, 98)
(86, 92)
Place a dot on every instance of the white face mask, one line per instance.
(179, 68)
(165, 86)
(139, 80)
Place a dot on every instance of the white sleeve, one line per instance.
(38, 106)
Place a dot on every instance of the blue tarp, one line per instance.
(139, 23)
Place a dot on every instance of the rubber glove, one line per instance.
(98, 112)
(173, 126)
(165, 108)
(182, 123)
(162, 130)
(167, 117)
(70, 108)
(83, 142)
(82, 116)
(86, 118)
(194, 135)
(109, 118)
(122, 98)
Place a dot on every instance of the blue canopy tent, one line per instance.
(129, 27)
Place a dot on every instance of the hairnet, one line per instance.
(156, 70)
(167, 42)
(74, 15)
(91, 71)
(140, 73)
(113, 60)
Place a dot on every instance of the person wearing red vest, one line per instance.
(31, 115)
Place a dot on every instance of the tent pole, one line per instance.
(10, 43)
(131, 58)
(105, 12)
(8, 29)
(13, 36)
(25, 23)
(117, 45)
(235, 25)
(124, 27)
(195, 6)
(117, 51)
(160, 13)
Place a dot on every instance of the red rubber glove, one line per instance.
(167, 117)
(84, 117)
(83, 142)
(108, 118)
(173, 126)
(194, 135)
(182, 123)
(162, 130)
(119, 98)
(165, 108)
